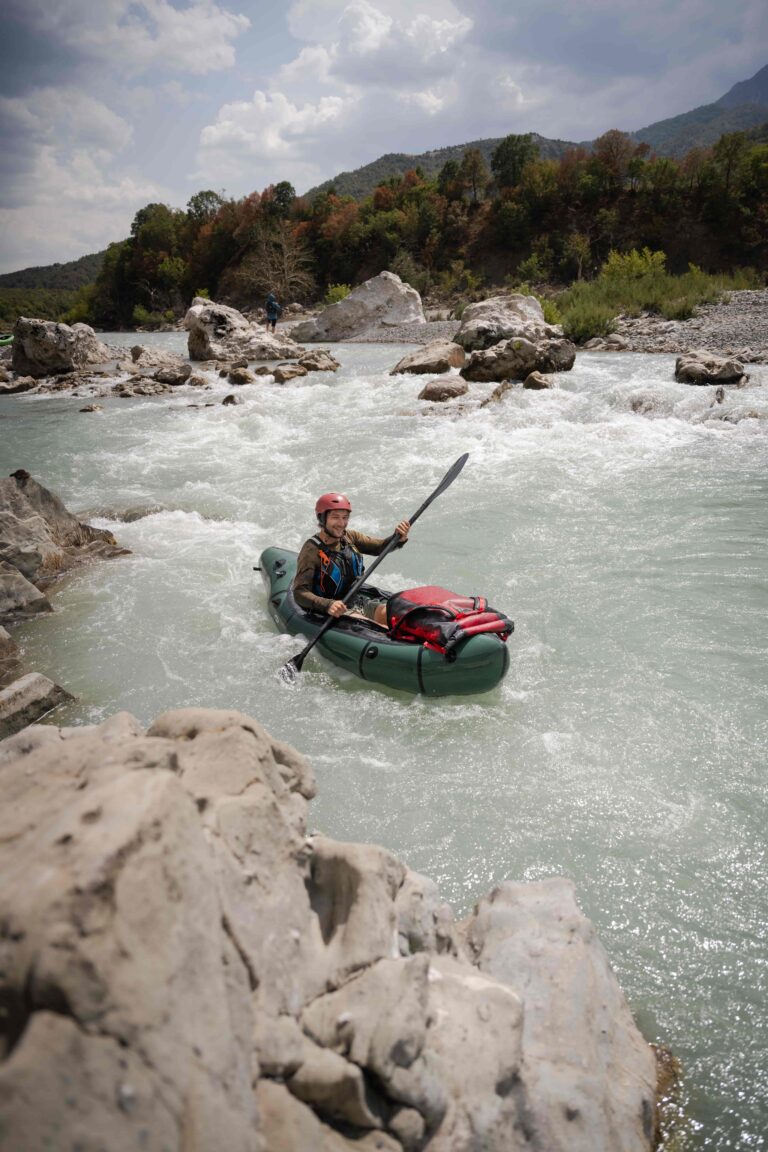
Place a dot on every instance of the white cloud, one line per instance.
(136, 35)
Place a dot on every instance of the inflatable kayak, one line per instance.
(477, 663)
(6, 339)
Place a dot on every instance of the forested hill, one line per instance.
(743, 107)
(71, 276)
(754, 91)
(362, 181)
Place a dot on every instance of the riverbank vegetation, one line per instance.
(571, 226)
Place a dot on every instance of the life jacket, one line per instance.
(440, 619)
(337, 570)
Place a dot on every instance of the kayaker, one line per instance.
(273, 310)
(330, 562)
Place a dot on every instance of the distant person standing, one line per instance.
(273, 310)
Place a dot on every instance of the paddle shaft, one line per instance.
(296, 662)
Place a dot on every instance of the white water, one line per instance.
(626, 748)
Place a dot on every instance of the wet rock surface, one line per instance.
(39, 538)
(194, 967)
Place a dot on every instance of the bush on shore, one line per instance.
(634, 282)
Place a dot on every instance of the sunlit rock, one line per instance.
(44, 348)
(383, 300)
(218, 332)
(437, 356)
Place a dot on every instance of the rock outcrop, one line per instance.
(517, 358)
(383, 300)
(218, 332)
(44, 348)
(38, 539)
(437, 356)
(182, 968)
(501, 318)
(702, 367)
(26, 700)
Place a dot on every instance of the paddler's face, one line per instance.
(336, 522)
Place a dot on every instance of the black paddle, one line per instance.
(294, 665)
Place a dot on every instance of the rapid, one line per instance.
(620, 519)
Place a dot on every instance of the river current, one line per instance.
(620, 519)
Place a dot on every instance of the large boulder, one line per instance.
(218, 332)
(437, 356)
(444, 388)
(182, 967)
(517, 358)
(500, 318)
(382, 301)
(44, 348)
(701, 367)
(38, 539)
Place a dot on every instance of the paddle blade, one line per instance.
(290, 671)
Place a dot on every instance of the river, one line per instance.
(620, 519)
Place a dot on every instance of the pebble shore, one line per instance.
(737, 327)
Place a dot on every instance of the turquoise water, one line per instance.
(625, 749)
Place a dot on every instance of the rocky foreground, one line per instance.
(183, 968)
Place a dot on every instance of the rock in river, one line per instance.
(218, 332)
(192, 966)
(38, 539)
(384, 299)
(44, 348)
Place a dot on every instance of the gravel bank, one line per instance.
(737, 327)
(409, 333)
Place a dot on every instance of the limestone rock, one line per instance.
(500, 318)
(517, 358)
(705, 368)
(444, 388)
(319, 360)
(39, 537)
(20, 384)
(43, 347)
(218, 332)
(536, 381)
(382, 300)
(241, 376)
(231, 399)
(437, 356)
(141, 386)
(171, 944)
(285, 372)
(8, 655)
(26, 700)
(175, 376)
(18, 596)
(578, 1031)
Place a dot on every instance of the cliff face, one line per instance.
(182, 968)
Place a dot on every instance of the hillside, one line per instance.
(754, 91)
(362, 181)
(742, 108)
(68, 277)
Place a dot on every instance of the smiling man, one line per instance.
(330, 562)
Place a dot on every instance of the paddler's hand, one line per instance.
(337, 608)
(402, 529)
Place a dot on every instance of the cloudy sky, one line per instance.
(104, 108)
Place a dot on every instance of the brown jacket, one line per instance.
(309, 561)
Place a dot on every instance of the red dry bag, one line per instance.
(440, 619)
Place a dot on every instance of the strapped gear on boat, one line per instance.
(337, 571)
(440, 619)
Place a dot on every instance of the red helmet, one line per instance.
(331, 500)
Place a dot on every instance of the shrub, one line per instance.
(336, 292)
(550, 309)
(633, 265)
(586, 319)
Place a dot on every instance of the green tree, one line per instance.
(474, 173)
(509, 158)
